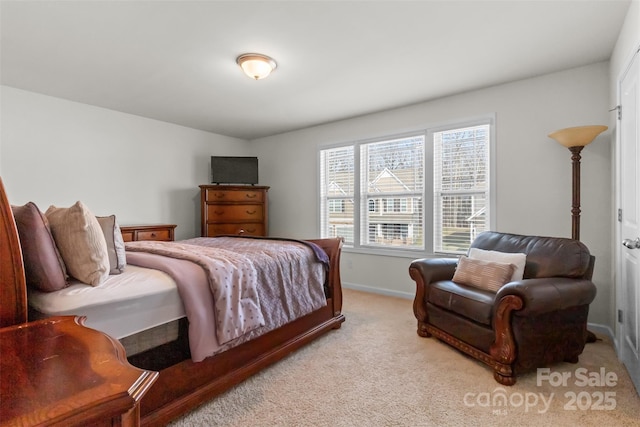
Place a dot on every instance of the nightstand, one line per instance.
(158, 232)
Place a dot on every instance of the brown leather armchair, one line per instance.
(526, 324)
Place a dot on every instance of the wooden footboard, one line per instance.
(185, 385)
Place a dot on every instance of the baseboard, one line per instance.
(599, 329)
(371, 289)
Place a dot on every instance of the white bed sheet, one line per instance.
(125, 304)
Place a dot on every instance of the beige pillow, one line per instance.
(115, 243)
(81, 242)
(519, 260)
(487, 275)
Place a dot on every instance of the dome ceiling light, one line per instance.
(255, 65)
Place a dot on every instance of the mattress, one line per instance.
(124, 305)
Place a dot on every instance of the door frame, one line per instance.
(618, 285)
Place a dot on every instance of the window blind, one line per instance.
(461, 186)
(337, 193)
(392, 189)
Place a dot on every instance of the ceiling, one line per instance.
(175, 60)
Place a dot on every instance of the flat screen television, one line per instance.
(234, 170)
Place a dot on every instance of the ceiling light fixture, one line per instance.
(255, 65)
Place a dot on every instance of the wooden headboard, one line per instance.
(13, 288)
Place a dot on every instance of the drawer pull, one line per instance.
(251, 195)
(219, 195)
(253, 212)
(218, 212)
(153, 235)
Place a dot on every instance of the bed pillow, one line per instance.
(81, 242)
(115, 243)
(519, 260)
(486, 275)
(44, 269)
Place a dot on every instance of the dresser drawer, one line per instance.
(230, 209)
(225, 213)
(216, 195)
(248, 229)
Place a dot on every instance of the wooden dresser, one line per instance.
(161, 232)
(234, 209)
(56, 372)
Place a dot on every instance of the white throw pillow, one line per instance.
(81, 242)
(115, 243)
(517, 259)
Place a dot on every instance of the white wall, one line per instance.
(55, 151)
(533, 171)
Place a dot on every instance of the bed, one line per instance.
(155, 319)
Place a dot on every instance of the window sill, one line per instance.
(398, 253)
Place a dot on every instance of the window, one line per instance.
(336, 206)
(392, 180)
(338, 189)
(383, 194)
(460, 190)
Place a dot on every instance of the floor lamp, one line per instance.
(575, 139)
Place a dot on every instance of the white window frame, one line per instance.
(428, 192)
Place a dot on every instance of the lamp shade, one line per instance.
(577, 136)
(255, 65)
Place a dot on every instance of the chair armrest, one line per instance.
(433, 269)
(549, 294)
(424, 272)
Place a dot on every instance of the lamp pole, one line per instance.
(575, 204)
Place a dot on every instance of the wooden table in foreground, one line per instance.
(56, 372)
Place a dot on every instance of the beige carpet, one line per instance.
(376, 371)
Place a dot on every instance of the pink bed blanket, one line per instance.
(234, 289)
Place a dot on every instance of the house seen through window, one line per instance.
(383, 194)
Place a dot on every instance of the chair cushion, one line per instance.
(472, 303)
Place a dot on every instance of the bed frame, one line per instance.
(182, 384)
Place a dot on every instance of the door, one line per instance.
(628, 287)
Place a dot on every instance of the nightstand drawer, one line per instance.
(247, 229)
(225, 213)
(155, 235)
(128, 236)
(158, 232)
(217, 195)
